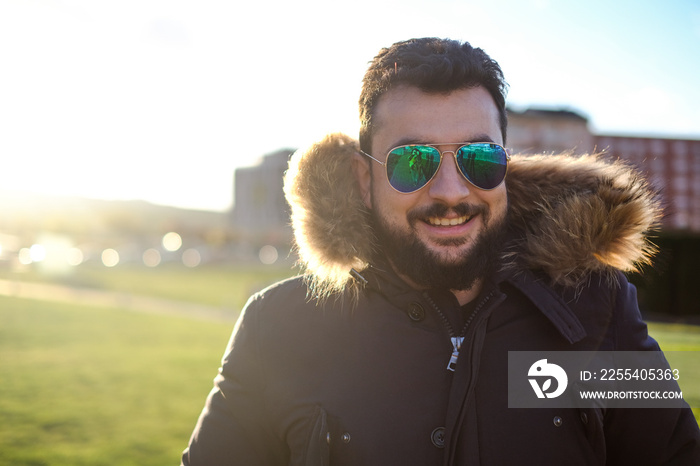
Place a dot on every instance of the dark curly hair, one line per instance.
(435, 66)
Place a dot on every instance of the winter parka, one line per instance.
(347, 365)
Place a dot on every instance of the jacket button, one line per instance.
(438, 437)
(346, 437)
(584, 418)
(416, 312)
(558, 421)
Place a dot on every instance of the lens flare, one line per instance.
(268, 255)
(151, 258)
(110, 258)
(74, 257)
(191, 258)
(172, 241)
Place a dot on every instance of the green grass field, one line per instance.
(681, 344)
(218, 286)
(93, 386)
(87, 385)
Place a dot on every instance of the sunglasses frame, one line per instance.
(442, 153)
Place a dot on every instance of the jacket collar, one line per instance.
(550, 304)
(385, 281)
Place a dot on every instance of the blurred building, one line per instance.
(552, 131)
(672, 166)
(260, 210)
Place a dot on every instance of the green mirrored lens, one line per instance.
(483, 164)
(409, 168)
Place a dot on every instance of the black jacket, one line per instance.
(366, 383)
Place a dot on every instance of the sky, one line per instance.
(162, 100)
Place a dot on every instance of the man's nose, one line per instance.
(449, 185)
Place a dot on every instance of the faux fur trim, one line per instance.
(578, 215)
(331, 224)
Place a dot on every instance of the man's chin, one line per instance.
(448, 256)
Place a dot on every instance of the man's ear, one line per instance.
(363, 175)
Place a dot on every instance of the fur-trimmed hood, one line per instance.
(576, 215)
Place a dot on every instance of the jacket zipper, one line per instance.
(457, 340)
(466, 384)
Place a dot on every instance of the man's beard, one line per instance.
(412, 258)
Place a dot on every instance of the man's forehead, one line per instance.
(407, 115)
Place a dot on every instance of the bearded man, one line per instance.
(430, 254)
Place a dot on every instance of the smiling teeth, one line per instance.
(448, 222)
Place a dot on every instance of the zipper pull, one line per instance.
(456, 345)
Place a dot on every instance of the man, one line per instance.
(425, 266)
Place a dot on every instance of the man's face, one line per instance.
(448, 230)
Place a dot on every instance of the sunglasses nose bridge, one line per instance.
(454, 157)
(449, 183)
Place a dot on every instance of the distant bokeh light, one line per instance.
(191, 258)
(268, 255)
(110, 257)
(24, 256)
(172, 241)
(74, 257)
(151, 258)
(37, 253)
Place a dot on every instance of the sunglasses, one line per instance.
(409, 168)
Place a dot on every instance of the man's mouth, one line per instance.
(449, 222)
